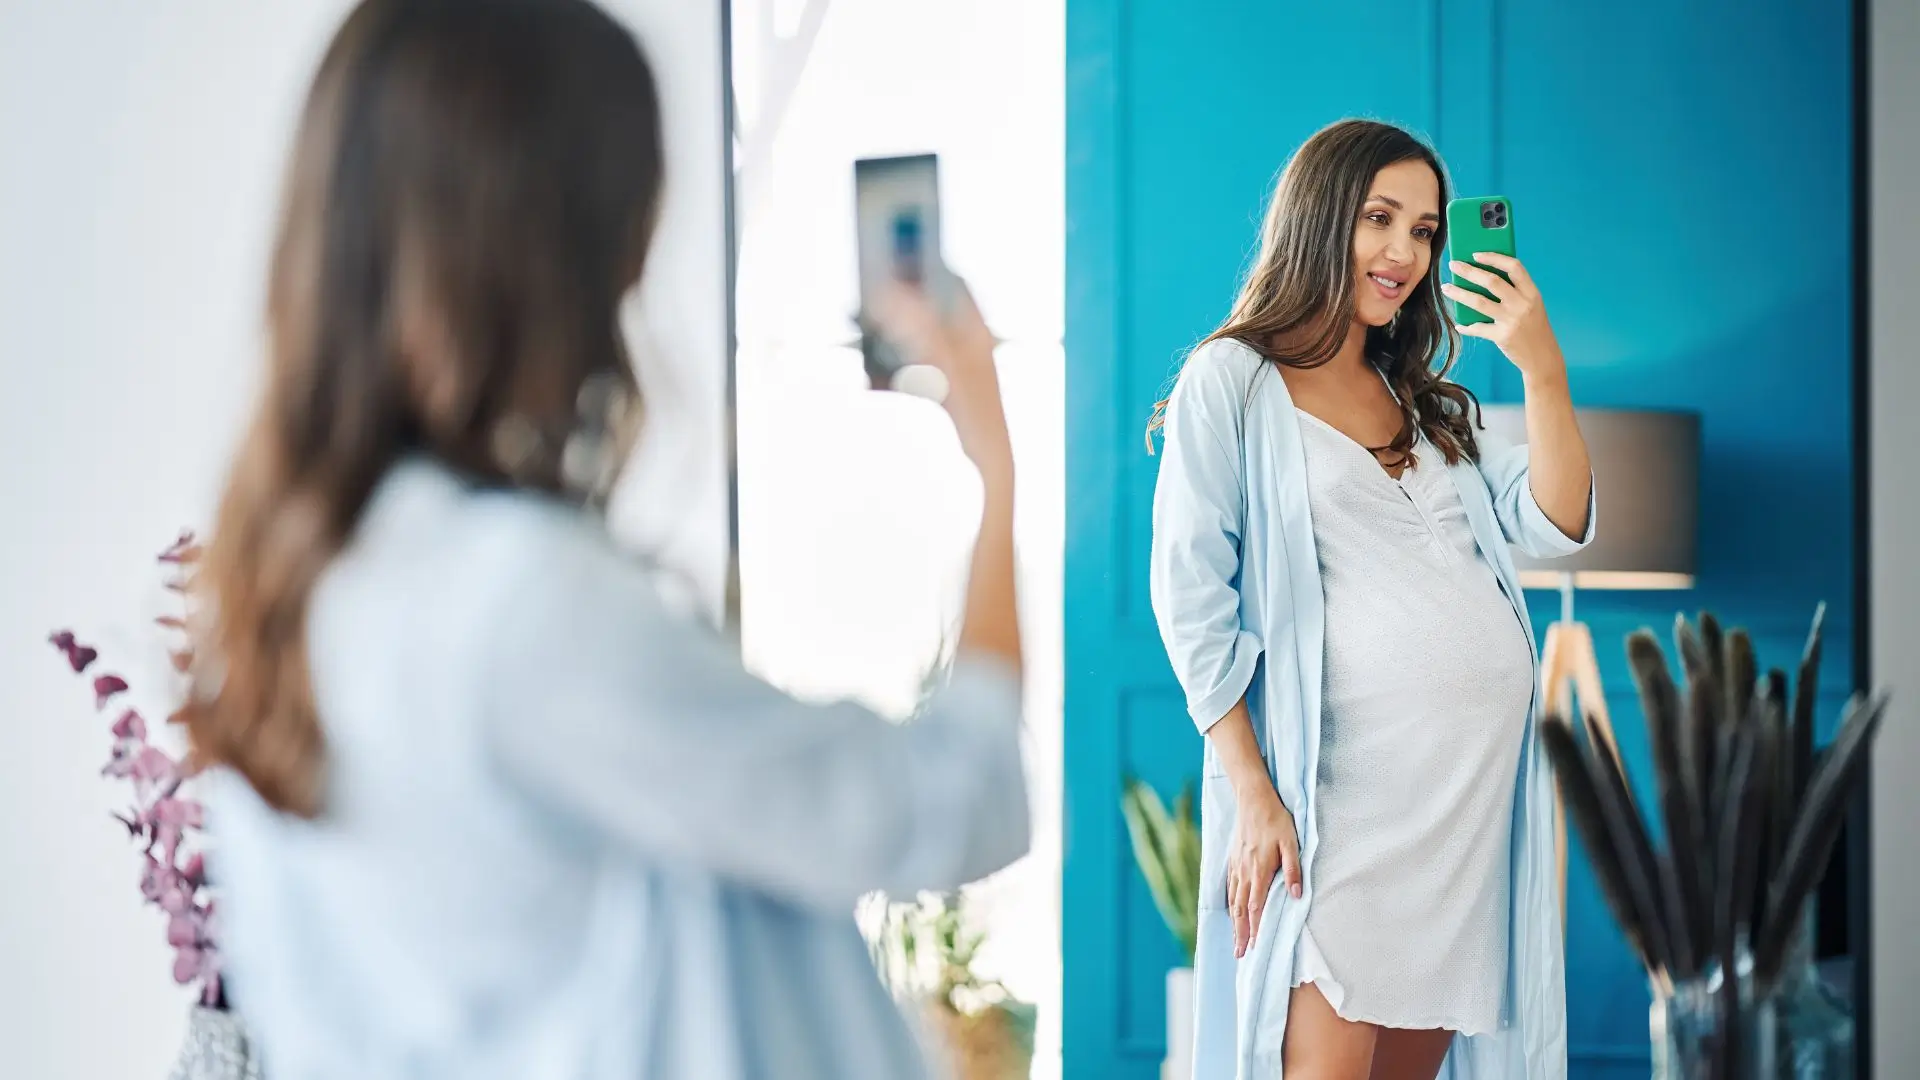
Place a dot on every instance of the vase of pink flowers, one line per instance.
(165, 822)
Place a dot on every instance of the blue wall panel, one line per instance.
(1682, 191)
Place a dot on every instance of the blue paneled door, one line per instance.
(1682, 193)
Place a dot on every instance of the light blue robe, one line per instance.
(568, 837)
(1235, 582)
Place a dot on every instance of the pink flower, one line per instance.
(79, 656)
(149, 768)
(211, 966)
(153, 879)
(188, 964)
(181, 931)
(183, 552)
(105, 687)
(170, 818)
(161, 818)
(130, 726)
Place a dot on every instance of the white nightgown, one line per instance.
(1428, 680)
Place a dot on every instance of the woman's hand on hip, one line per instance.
(1519, 325)
(1265, 846)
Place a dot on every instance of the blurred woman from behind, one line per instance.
(485, 806)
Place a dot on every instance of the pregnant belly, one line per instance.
(1422, 713)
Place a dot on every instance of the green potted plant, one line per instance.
(1166, 847)
(924, 951)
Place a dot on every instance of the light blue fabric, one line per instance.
(1235, 581)
(567, 837)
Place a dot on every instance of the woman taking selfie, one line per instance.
(485, 806)
(1332, 582)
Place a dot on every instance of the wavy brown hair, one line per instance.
(471, 194)
(1301, 288)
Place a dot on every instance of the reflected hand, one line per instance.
(961, 347)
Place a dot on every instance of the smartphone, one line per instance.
(897, 219)
(1482, 223)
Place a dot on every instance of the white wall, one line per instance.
(140, 154)
(1895, 535)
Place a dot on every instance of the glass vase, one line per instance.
(1700, 1032)
(1795, 1029)
(1811, 1025)
(216, 1048)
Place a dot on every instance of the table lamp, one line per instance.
(1646, 473)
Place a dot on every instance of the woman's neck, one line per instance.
(1352, 356)
(1350, 359)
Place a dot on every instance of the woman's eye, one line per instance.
(1379, 217)
(1424, 234)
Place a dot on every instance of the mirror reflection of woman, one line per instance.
(487, 807)
(1331, 576)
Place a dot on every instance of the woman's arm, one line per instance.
(606, 708)
(1554, 462)
(1194, 561)
(1559, 472)
(1194, 581)
(610, 711)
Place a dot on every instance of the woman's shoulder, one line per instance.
(431, 534)
(1223, 358)
(1219, 379)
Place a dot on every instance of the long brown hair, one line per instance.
(471, 193)
(1301, 287)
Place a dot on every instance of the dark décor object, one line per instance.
(1749, 813)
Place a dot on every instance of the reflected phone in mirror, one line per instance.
(897, 218)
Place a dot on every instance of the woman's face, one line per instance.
(1393, 240)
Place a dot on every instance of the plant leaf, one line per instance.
(1583, 809)
(1639, 870)
(1777, 801)
(1150, 829)
(1805, 692)
(1728, 847)
(1680, 874)
(1742, 678)
(1816, 829)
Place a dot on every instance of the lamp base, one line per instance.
(1570, 676)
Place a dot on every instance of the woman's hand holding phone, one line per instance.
(1561, 471)
(1520, 326)
(960, 347)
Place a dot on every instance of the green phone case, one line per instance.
(1480, 223)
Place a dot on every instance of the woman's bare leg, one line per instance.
(1322, 1046)
(1403, 1054)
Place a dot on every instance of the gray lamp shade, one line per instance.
(1646, 476)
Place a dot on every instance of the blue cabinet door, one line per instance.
(1684, 178)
